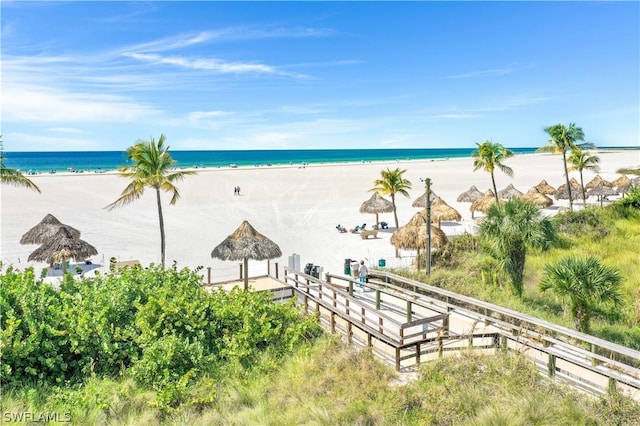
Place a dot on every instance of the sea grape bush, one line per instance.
(156, 325)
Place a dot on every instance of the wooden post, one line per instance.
(440, 347)
(346, 306)
(333, 322)
(295, 276)
(349, 331)
(268, 267)
(418, 353)
(350, 288)
(378, 299)
(503, 343)
(551, 365)
(241, 271)
(402, 336)
(276, 263)
(369, 344)
(445, 325)
(208, 274)
(335, 299)
(306, 303)
(409, 311)
(319, 290)
(381, 325)
(363, 317)
(397, 359)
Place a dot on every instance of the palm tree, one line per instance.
(490, 155)
(152, 168)
(13, 176)
(581, 160)
(562, 140)
(587, 284)
(392, 182)
(509, 230)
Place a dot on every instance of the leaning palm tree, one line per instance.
(490, 155)
(12, 176)
(153, 168)
(562, 140)
(587, 284)
(392, 182)
(509, 230)
(581, 160)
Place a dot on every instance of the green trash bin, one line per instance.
(382, 263)
(347, 267)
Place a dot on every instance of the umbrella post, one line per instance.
(427, 182)
(246, 273)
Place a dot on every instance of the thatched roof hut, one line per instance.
(246, 243)
(62, 246)
(483, 203)
(601, 191)
(421, 200)
(413, 236)
(440, 211)
(596, 181)
(509, 192)
(544, 188)
(470, 195)
(375, 205)
(47, 228)
(534, 196)
(622, 180)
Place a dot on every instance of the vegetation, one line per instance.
(392, 182)
(563, 139)
(152, 168)
(581, 160)
(629, 171)
(14, 177)
(509, 230)
(490, 155)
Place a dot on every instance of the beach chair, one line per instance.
(355, 230)
(341, 228)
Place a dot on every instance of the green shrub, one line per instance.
(582, 222)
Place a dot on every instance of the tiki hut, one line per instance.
(563, 193)
(413, 236)
(483, 203)
(601, 191)
(62, 246)
(440, 211)
(470, 195)
(246, 243)
(421, 200)
(509, 192)
(537, 198)
(596, 181)
(544, 188)
(375, 205)
(47, 228)
(622, 180)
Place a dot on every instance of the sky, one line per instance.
(89, 76)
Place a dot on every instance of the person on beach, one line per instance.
(362, 273)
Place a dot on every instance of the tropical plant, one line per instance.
(490, 156)
(581, 160)
(563, 139)
(12, 176)
(392, 182)
(587, 283)
(509, 230)
(153, 168)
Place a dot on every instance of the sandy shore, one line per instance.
(298, 208)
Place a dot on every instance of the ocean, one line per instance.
(102, 161)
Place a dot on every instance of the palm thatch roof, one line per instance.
(596, 181)
(622, 180)
(61, 246)
(440, 211)
(544, 188)
(509, 192)
(47, 228)
(246, 243)
(470, 195)
(375, 205)
(413, 235)
(601, 191)
(483, 204)
(575, 188)
(421, 201)
(536, 197)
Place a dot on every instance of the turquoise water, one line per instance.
(96, 161)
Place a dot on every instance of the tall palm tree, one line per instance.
(392, 182)
(581, 160)
(562, 140)
(587, 284)
(490, 155)
(509, 230)
(152, 168)
(12, 176)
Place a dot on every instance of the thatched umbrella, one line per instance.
(596, 181)
(622, 180)
(62, 246)
(47, 228)
(601, 191)
(483, 203)
(509, 192)
(375, 205)
(534, 196)
(421, 200)
(440, 211)
(413, 235)
(246, 243)
(544, 188)
(470, 195)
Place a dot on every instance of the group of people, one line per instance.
(236, 190)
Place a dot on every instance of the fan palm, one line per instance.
(587, 284)
(563, 139)
(12, 176)
(152, 168)
(509, 230)
(581, 160)
(392, 182)
(488, 157)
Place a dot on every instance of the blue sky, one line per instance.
(288, 75)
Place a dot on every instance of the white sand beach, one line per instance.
(296, 207)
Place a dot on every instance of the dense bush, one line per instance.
(582, 222)
(158, 325)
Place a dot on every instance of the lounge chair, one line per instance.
(355, 230)
(341, 228)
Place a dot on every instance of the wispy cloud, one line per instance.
(483, 73)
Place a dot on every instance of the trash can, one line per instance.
(347, 267)
(382, 263)
(308, 268)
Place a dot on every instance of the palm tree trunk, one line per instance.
(395, 217)
(584, 197)
(161, 219)
(495, 189)
(566, 175)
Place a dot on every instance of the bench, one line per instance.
(365, 234)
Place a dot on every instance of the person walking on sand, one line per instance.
(362, 273)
